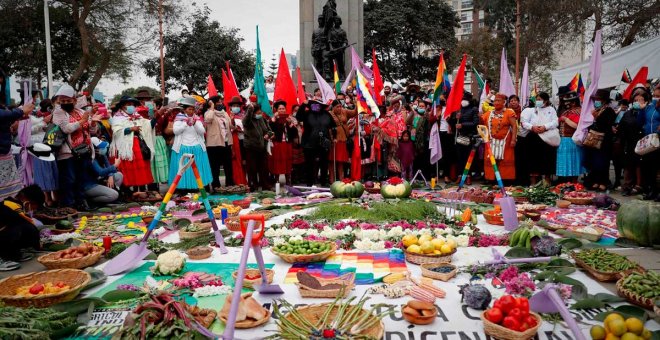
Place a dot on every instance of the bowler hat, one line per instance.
(235, 100)
(125, 100)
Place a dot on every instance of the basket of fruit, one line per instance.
(43, 289)
(253, 277)
(615, 326)
(193, 230)
(78, 257)
(501, 323)
(244, 203)
(579, 197)
(426, 249)
(304, 251)
(495, 217)
(439, 271)
(234, 223)
(372, 187)
(640, 289)
(232, 210)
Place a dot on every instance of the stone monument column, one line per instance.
(352, 21)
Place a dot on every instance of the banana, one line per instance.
(528, 243)
(524, 236)
(515, 236)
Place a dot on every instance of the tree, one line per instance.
(132, 92)
(199, 49)
(272, 67)
(400, 29)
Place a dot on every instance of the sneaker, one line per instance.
(6, 266)
(25, 257)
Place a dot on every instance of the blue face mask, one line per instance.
(235, 109)
(130, 110)
(421, 111)
(598, 104)
(539, 103)
(636, 106)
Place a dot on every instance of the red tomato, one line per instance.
(37, 288)
(523, 304)
(507, 302)
(515, 313)
(531, 321)
(494, 315)
(497, 304)
(524, 326)
(60, 284)
(511, 323)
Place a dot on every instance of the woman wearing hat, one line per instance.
(569, 155)
(285, 132)
(132, 143)
(219, 141)
(189, 139)
(597, 159)
(502, 128)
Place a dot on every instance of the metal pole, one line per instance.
(49, 60)
(517, 45)
(162, 57)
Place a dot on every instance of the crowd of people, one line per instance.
(82, 153)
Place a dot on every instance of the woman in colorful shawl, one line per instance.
(503, 130)
(283, 126)
(339, 153)
(189, 139)
(132, 143)
(10, 181)
(569, 155)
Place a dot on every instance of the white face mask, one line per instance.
(465, 103)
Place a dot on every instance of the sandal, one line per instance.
(602, 187)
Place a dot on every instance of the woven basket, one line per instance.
(427, 272)
(76, 279)
(185, 235)
(372, 190)
(579, 201)
(604, 276)
(234, 223)
(493, 219)
(632, 297)
(430, 259)
(314, 313)
(587, 236)
(52, 260)
(251, 283)
(207, 251)
(503, 333)
(245, 324)
(294, 258)
(347, 280)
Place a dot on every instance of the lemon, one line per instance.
(409, 240)
(103, 218)
(427, 247)
(597, 332)
(452, 243)
(613, 316)
(646, 334)
(437, 252)
(617, 327)
(611, 336)
(635, 326)
(438, 243)
(413, 248)
(629, 336)
(424, 238)
(446, 249)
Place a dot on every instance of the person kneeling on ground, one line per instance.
(17, 229)
(102, 179)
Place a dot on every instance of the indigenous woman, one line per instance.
(10, 181)
(569, 155)
(338, 152)
(285, 132)
(132, 143)
(219, 142)
(503, 131)
(464, 124)
(189, 139)
(542, 139)
(597, 159)
(160, 164)
(44, 167)
(257, 135)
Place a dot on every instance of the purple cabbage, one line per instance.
(476, 296)
(545, 246)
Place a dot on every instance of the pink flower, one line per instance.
(264, 242)
(388, 244)
(509, 274)
(521, 285)
(565, 291)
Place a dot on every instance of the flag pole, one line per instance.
(49, 58)
(162, 57)
(517, 45)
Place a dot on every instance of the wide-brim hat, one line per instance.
(563, 90)
(187, 101)
(413, 87)
(279, 102)
(42, 151)
(126, 100)
(601, 94)
(235, 100)
(143, 94)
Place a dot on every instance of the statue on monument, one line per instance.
(338, 43)
(329, 41)
(319, 45)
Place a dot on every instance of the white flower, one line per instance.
(212, 290)
(463, 240)
(278, 241)
(382, 234)
(270, 232)
(296, 238)
(426, 231)
(380, 245)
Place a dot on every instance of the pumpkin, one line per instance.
(347, 189)
(640, 221)
(395, 187)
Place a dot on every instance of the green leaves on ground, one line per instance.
(570, 243)
(596, 301)
(518, 252)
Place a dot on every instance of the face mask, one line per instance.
(258, 116)
(539, 104)
(316, 107)
(443, 102)
(465, 103)
(637, 106)
(421, 111)
(235, 109)
(68, 107)
(598, 104)
(57, 106)
(130, 110)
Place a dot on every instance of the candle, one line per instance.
(107, 243)
(433, 183)
(277, 189)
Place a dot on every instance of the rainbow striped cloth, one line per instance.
(369, 268)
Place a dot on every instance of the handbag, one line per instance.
(324, 142)
(463, 140)
(594, 139)
(647, 144)
(54, 136)
(551, 137)
(144, 148)
(81, 150)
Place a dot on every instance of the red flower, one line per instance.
(328, 333)
(347, 181)
(395, 181)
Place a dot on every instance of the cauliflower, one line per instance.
(169, 263)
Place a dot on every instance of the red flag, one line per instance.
(210, 87)
(356, 159)
(301, 91)
(456, 93)
(229, 88)
(230, 74)
(378, 80)
(284, 88)
(640, 78)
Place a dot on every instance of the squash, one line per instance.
(395, 187)
(640, 221)
(347, 189)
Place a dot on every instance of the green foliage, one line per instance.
(378, 212)
(201, 48)
(397, 29)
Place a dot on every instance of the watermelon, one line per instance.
(640, 221)
(396, 187)
(347, 189)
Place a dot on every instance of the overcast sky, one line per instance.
(278, 28)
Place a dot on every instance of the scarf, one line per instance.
(80, 136)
